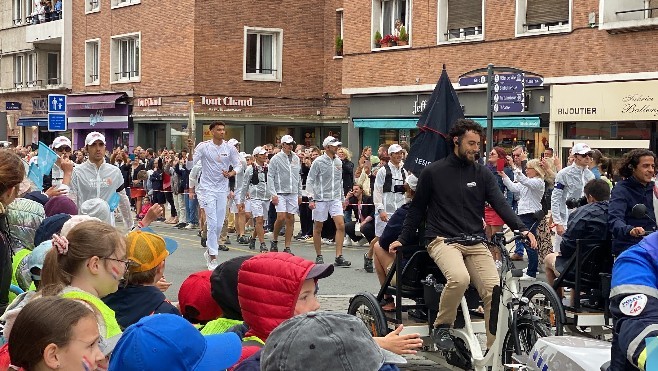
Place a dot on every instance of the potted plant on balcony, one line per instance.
(339, 46)
(388, 41)
(378, 39)
(404, 37)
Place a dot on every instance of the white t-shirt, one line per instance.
(214, 160)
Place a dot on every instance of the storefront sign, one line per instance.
(419, 106)
(617, 101)
(39, 105)
(109, 118)
(96, 118)
(227, 101)
(12, 106)
(148, 102)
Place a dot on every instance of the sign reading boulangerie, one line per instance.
(616, 101)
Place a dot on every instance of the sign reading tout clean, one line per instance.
(616, 101)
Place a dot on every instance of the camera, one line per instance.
(573, 203)
(399, 189)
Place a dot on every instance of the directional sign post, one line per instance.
(57, 112)
(505, 91)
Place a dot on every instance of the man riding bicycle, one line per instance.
(452, 193)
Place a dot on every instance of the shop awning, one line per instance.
(33, 121)
(509, 122)
(386, 123)
(93, 101)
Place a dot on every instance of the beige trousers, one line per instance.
(462, 265)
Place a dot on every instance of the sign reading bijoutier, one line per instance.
(616, 101)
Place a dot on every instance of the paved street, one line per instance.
(335, 291)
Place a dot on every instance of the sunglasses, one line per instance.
(588, 154)
(63, 149)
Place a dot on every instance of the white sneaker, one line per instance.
(212, 265)
(188, 226)
(348, 242)
(362, 242)
(525, 270)
(206, 256)
(525, 277)
(268, 235)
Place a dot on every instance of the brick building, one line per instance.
(35, 60)
(265, 69)
(600, 79)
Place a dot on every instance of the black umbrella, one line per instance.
(439, 116)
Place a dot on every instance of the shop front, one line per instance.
(106, 113)
(163, 121)
(386, 119)
(611, 117)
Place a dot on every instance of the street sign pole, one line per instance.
(490, 85)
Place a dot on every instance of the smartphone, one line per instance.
(131, 157)
(500, 164)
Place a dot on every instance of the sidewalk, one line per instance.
(339, 303)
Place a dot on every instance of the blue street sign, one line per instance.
(509, 97)
(508, 87)
(508, 107)
(508, 77)
(56, 121)
(473, 80)
(533, 81)
(56, 103)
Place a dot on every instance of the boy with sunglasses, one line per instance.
(62, 146)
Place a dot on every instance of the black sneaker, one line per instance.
(263, 247)
(222, 248)
(442, 338)
(341, 262)
(252, 244)
(273, 246)
(319, 259)
(180, 225)
(287, 249)
(243, 240)
(367, 264)
(203, 241)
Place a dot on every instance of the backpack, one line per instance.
(388, 180)
(254, 174)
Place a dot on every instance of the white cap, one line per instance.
(393, 148)
(61, 141)
(331, 141)
(412, 181)
(287, 139)
(98, 208)
(259, 151)
(233, 142)
(581, 149)
(94, 136)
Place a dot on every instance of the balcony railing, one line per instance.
(126, 75)
(54, 81)
(649, 12)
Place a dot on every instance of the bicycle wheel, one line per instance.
(544, 303)
(529, 332)
(365, 307)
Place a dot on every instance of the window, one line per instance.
(460, 20)
(32, 70)
(92, 6)
(53, 69)
(92, 50)
(18, 71)
(125, 58)
(543, 16)
(339, 32)
(263, 54)
(608, 130)
(389, 16)
(20, 10)
(122, 3)
(617, 16)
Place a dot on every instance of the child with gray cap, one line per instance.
(329, 341)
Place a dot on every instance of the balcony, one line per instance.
(628, 15)
(48, 30)
(35, 85)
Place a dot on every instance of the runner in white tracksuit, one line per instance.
(325, 187)
(97, 179)
(259, 194)
(216, 155)
(387, 200)
(285, 183)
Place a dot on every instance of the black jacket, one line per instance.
(451, 194)
(587, 222)
(131, 303)
(348, 176)
(367, 207)
(624, 196)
